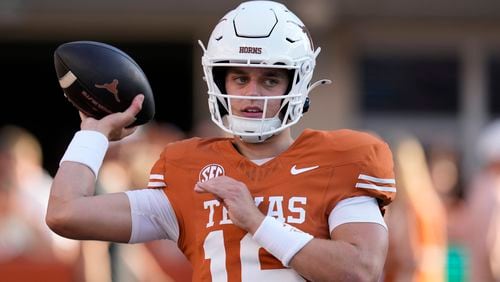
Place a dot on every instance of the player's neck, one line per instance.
(272, 147)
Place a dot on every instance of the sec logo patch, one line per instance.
(211, 171)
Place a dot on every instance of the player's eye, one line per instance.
(271, 82)
(240, 79)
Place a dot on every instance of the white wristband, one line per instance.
(88, 148)
(280, 239)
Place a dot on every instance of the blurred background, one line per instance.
(424, 75)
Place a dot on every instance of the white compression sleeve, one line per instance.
(153, 217)
(356, 209)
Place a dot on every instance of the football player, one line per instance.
(259, 206)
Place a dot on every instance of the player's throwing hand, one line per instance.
(114, 125)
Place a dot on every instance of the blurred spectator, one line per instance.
(416, 220)
(18, 235)
(445, 174)
(484, 208)
(28, 249)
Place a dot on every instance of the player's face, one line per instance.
(257, 82)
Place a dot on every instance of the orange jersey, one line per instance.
(300, 186)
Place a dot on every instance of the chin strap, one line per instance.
(318, 83)
(307, 102)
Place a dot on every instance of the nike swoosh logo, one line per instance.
(295, 170)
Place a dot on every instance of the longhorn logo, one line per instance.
(111, 87)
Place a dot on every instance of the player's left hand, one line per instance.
(234, 195)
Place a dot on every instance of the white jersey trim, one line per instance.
(376, 183)
(156, 184)
(156, 176)
(156, 181)
(376, 179)
(356, 209)
(375, 187)
(153, 217)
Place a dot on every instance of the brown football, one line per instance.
(99, 79)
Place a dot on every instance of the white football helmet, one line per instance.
(259, 34)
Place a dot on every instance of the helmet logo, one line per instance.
(250, 50)
(211, 171)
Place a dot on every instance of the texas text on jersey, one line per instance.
(301, 187)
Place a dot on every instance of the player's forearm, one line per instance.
(72, 182)
(328, 260)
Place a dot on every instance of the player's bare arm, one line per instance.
(348, 256)
(74, 211)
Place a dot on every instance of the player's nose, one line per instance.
(252, 88)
